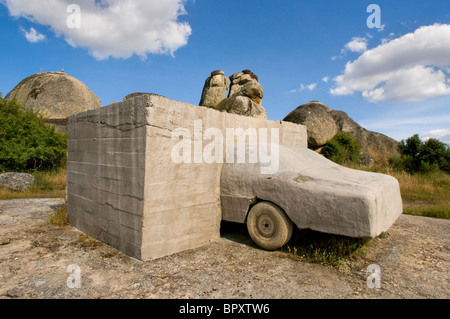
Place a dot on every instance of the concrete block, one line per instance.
(124, 187)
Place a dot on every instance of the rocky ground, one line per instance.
(38, 261)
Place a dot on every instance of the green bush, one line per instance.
(343, 148)
(422, 157)
(26, 143)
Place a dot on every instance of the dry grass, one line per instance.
(426, 194)
(88, 242)
(326, 249)
(423, 194)
(60, 217)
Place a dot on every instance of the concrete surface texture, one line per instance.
(126, 189)
(315, 193)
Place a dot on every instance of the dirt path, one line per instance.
(34, 260)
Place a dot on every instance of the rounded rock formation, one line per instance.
(323, 123)
(319, 122)
(133, 95)
(244, 96)
(238, 80)
(56, 95)
(242, 105)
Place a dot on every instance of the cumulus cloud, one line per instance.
(441, 134)
(406, 69)
(309, 87)
(33, 36)
(303, 87)
(356, 45)
(112, 28)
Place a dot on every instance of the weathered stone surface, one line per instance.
(252, 90)
(239, 79)
(16, 181)
(315, 193)
(56, 95)
(133, 95)
(319, 121)
(124, 187)
(59, 124)
(245, 96)
(242, 105)
(323, 123)
(215, 89)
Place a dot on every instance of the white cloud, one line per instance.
(399, 126)
(406, 69)
(310, 87)
(383, 124)
(326, 79)
(303, 87)
(116, 28)
(356, 45)
(442, 135)
(33, 36)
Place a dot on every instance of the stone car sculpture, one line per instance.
(310, 192)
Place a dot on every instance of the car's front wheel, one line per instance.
(269, 226)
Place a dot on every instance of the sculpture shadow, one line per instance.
(306, 244)
(56, 207)
(236, 232)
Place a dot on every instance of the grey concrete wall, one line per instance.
(125, 189)
(105, 174)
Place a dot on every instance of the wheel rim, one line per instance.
(265, 226)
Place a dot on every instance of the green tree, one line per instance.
(418, 156)
(435, 152)
(343, 148)
(412, 146)
(26, 143)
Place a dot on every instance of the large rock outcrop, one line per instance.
(56, 95)
(244, 97)
(240, 79)
(215, 89)
(323, 123)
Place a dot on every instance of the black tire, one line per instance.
(268, 226)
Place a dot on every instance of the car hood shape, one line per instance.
(315, 193)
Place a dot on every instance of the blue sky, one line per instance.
(393, 79)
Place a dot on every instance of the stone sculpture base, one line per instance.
(124, 188)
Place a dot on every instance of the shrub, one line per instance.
(343, 148)
(59, 217)
(424, 157)
(26, 142)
